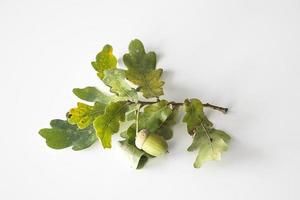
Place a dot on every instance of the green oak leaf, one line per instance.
(154, 116)
(138, 158)
(83, 115)
(129, 134)
(165, 129)
(148, 83)
(109, 123)
(210, 144)
(137, 59)
(104, 60)
(194, 115)
(130, 115)
(132, 111)
(116, 80)
(63, 135)
(92, 94)
(142, 70)
(155, 119)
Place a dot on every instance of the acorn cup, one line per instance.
(152, 144)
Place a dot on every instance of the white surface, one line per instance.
(241, 54)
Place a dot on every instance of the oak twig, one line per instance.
(208, 105)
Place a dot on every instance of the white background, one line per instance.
(236, 53)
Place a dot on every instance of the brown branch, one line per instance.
(208, 105)
(218, 108)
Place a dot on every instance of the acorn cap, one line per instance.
(141, 138)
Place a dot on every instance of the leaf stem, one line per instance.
(208, 105)
(137, 119)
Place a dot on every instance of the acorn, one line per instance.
(152, 144)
